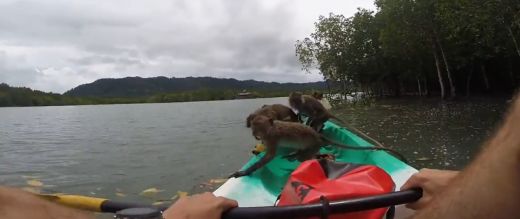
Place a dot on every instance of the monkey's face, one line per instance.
(260, 126)
(317, 96)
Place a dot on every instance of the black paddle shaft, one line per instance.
(346, 206)
(351, 205)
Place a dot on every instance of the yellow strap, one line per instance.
(76, 201)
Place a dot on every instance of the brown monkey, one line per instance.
(275, 112)
(271, 132)
(285, 113)
(323, 101)
(311, 107)
(304, 137)
(317, 95)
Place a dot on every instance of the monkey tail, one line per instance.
(376, 148)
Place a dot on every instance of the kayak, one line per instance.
(263, 187)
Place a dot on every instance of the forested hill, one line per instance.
(21, 96)
(151, 90)
(139, 87)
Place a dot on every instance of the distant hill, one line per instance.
(151, 90)
(142, 87)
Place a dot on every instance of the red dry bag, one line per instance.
(334, 181)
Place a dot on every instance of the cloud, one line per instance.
(55, 45)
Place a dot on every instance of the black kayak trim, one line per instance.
(296, 211)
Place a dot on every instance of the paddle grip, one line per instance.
(113, 206)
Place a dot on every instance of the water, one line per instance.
(101, 150)
(429, 133)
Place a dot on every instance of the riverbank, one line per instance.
(22, 97)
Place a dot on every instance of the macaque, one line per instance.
(323, 101)
(311, 107)
(275, 112)
(272, 131)
(306, 140)
(317, 95)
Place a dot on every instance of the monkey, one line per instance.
(275, 111)
(311, 107)
(318, 115)
(307, 141)
(272, 132)
(317, 95)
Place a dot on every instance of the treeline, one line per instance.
(183, 88)
(447, 47)
(14, 96)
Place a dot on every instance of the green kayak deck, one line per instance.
(263, 186)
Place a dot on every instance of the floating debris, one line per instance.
(35, 183)
(119, 194)
(424, 159)
(150, 192)
(217, 181)
(180, 194)
(158, 203)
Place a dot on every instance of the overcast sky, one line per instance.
(55, 45)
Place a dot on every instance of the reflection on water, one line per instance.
(429, 133)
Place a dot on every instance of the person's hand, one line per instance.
(431, 181)
(201, 206)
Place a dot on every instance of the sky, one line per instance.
(55, 45)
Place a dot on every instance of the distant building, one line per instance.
(244, 94)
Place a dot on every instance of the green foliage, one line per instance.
(419, 47)
(206, 87)
(12, 96)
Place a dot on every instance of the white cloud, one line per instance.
(55, 45)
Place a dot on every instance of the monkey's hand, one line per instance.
(238, 174)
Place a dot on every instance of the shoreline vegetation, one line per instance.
(26, 97)
(97, 93)
(442, 48)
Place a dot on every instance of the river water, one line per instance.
(432, 134)
(117, 151)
